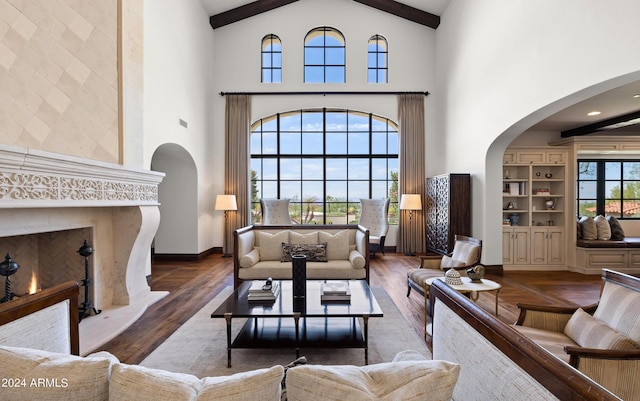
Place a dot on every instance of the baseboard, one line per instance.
(186, 256)
(494, 269)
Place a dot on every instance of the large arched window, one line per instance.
(324, 56)
(377, 51)
(324, 161)
(271, 59)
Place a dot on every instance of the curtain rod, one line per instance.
(324, 93)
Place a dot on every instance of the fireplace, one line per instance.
(51, 203)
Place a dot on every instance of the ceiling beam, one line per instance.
(246, 11)
(260, 6)
(603, 125)
(404, 11)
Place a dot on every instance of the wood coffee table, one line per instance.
(311, 324)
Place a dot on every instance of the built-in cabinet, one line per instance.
(534, 206)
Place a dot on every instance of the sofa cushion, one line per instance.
(619, 308)
(42, 375)
(602, 227)
(589, 332)
(270, 245)
(250, 259)
(299, 238)
(596, 243)
(589, 228)
(313, 252)
(337, 244)
(132, 382)
(412, 380)
(552, 341)
(617, 233)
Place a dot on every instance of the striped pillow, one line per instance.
(589, 332)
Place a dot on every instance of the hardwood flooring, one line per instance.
(192, 284)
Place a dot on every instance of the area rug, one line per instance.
(199, 347)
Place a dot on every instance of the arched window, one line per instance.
(271, 59)
(324, 161)
(324, 56)
(377, 51)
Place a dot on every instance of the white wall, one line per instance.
(178, 76)
(503, 66)
(237, 62)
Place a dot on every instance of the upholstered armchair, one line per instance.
(466, 253)
(275, 211)
(600, 340)
(375, 218)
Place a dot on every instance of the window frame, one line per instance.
(382, 165)
(376, 69)
(266, 48)
(326, 63)
(602, 182)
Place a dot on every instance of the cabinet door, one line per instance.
(531, 157)
(521, 246)
(556, 157)
(556, 246)
(507, 246)
(539, 239)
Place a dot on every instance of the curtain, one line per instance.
(411, 179)
(236, 177)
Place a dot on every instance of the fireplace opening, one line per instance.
(46, 259)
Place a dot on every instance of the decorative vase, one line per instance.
(514, 218)
(550, 204)
(475, 273)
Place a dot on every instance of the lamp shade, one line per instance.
(410, 202)
(226, 202)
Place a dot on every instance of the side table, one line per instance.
(473, 289)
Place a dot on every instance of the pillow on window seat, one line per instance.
(589, 228)
(602, 227)
(617, 233)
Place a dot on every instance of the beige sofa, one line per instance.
(30, 372)
(602, 341)
(262, 251)
(476, 357)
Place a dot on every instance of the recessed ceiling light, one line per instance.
(636, 96)
(593, 113)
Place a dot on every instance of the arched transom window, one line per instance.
(377, 51)
(271, 59)
(324, 56)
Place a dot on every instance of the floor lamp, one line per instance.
(410, 202)
(226, 203)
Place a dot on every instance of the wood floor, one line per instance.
(192, 284)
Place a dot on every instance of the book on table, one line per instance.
(335, 291)
(258, 291)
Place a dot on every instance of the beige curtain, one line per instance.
(412, 166)
(236, 177)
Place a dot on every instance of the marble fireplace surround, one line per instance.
(117, 206)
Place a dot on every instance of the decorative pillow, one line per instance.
(579, 230)
(298, 238)
(337, 244)
(448, 261)
(617, 233)
(250, 259)
(414, 380)
(357, 260)
(313, 252)
(270, 245)
(133, 382)
(590, 332)
(589, 228)
(602, 227)
(42, 375)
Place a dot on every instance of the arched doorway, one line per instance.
(178, 196)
